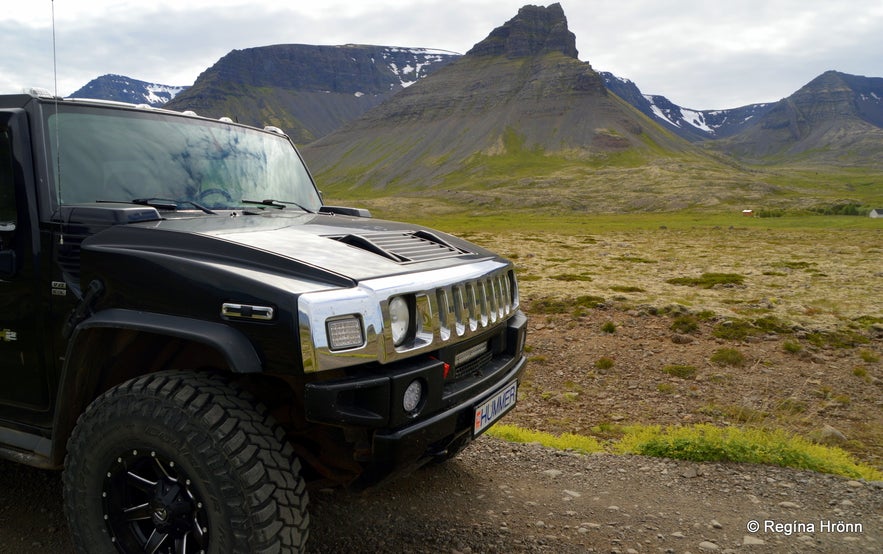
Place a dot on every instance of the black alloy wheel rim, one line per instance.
(150, 506)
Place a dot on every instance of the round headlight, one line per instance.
(413, 396)
(399, 319)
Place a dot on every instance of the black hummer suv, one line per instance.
(192, 335)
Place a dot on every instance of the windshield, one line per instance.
(108, 154)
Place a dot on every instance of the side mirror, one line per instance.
(342, 210)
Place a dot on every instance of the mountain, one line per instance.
(520, 94)
(126, 89)
(521, 117)
(405, 65)
(693, 125)
(834, 119)
(308, 91)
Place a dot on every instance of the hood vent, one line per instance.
(404, 247)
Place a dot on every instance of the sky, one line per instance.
(700, 54)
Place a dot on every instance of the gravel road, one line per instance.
(501, 497)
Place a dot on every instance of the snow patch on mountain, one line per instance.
(688, 123)
(125, 89)
(410, 64)
(160, 94)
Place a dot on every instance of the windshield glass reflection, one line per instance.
(118, 155)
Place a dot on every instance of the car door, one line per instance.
(24, 388)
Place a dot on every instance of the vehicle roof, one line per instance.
(20, 100)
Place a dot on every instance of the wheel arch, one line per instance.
(116, 345)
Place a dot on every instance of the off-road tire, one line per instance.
(238, 483)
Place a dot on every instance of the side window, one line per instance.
(7, 186)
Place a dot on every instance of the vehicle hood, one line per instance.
(320, 245)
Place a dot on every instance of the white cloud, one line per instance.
(700, 54)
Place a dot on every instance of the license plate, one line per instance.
(493, 409)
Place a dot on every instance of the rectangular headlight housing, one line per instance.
(345, 332)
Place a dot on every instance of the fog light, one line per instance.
(345, 333)
(413, 396)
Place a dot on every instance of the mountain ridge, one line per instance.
(120, 88)
(306, 90)
(834, 119)
(315, 91)
(693, 125)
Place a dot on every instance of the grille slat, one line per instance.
(471, 306)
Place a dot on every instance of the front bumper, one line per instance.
(369, 404)
(435, 436)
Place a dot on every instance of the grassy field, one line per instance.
(638, 183)
(814, 270)
(811, 281)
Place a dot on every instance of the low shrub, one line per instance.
(709, 280)
(772, 324)
(792, 347)
(625, 288)
(685, 324)
(604, 363)
(680, 371)
(734, 330)
(570, 277)
(837, 339)
(728, 356)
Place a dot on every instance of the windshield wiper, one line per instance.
(281, 204)
(167, 204)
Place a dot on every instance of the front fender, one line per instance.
(80, 379)
(236, 348)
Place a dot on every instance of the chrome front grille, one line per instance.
(449, 306)
(471, 306)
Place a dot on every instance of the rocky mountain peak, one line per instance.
(120, 88)
(535, 30)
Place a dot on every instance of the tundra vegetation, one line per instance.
(786, 305)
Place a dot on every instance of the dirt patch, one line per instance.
(607, 368)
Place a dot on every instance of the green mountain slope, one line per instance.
(519, 119)
(500, 99)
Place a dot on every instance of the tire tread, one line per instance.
(239, 434)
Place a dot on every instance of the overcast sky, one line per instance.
(701, 54)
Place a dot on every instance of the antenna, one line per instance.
(55, 96)
(54, 55)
